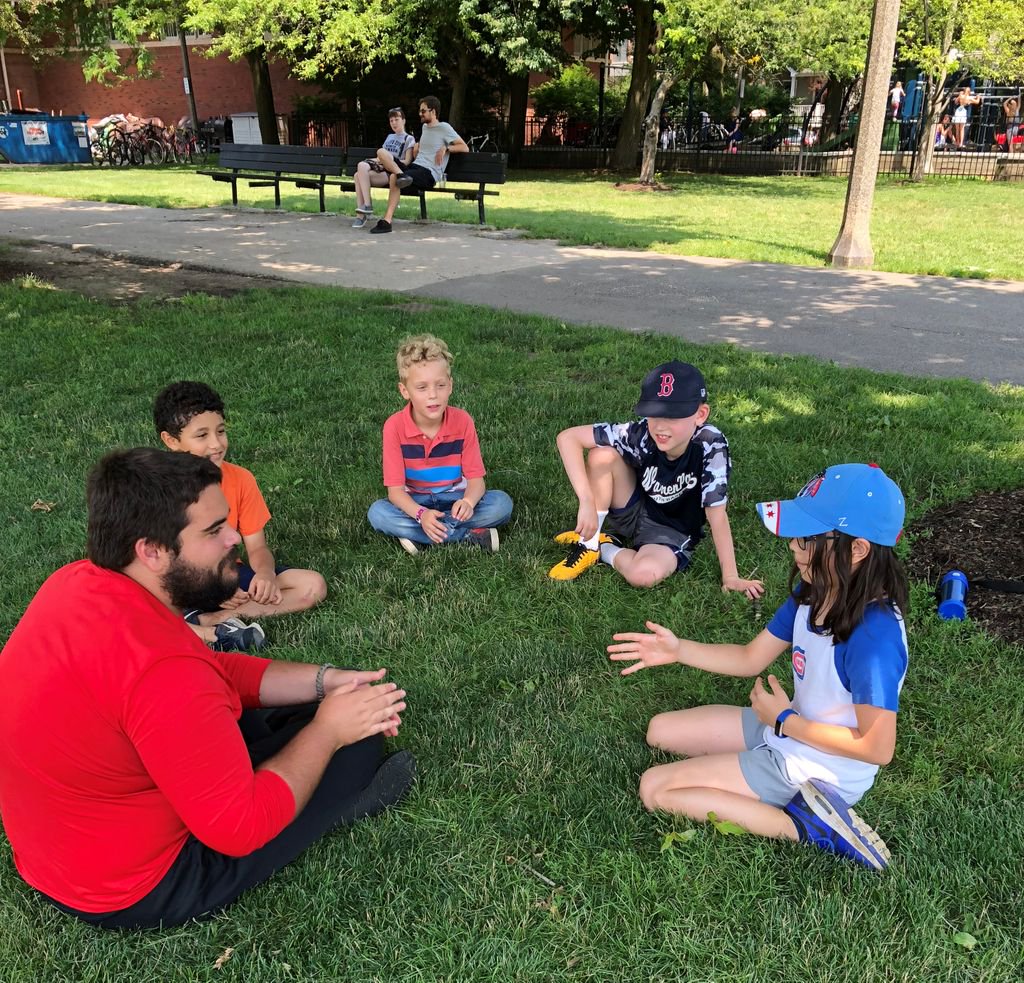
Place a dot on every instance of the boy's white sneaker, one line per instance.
(408, 545)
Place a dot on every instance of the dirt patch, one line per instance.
(984, 537)
(623, 186)
(118, 280)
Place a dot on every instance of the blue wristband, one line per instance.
(782, 718)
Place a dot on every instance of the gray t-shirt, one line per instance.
(398, 143)
(432, 139)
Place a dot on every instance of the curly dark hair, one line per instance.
(177, 403)
(878, 578)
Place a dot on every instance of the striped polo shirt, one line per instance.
(428, 465)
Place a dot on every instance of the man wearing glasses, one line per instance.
(430, 157)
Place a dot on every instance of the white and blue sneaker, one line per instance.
(823, 819)
(234, 635)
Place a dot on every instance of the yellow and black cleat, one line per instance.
(579, 559)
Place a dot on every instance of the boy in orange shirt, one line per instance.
(189, 417)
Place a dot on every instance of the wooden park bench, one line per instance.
(466, 169)
(266, 166)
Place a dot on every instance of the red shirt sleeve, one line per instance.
(394, 464)
(472, 461)
(182, 720)
(246, 675)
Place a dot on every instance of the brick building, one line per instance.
(221, 87)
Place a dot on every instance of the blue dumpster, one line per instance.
(36, 138)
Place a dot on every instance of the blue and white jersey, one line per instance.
(830, 679)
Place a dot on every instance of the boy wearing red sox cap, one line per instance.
(655, 481)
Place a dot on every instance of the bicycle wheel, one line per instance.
(117, 149)
(155, 152)
(98, 153)
(200, 151)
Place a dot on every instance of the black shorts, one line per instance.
(634, 523)
(422, 179)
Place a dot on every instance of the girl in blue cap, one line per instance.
(791, 768)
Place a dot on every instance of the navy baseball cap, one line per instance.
(674, 390)
(860, 500)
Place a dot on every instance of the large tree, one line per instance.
(745, 35)
(943, 37)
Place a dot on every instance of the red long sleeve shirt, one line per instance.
(119, 738)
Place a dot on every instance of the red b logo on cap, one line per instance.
(668, 383)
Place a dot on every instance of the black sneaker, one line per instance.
(192, 617)
(395, 776)
(403, 181)
(234, 635)
(380, 227)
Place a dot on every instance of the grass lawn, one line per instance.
(530, 745)
(952, 228)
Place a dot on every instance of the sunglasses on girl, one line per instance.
(803, 542)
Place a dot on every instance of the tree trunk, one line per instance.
(460, 82)
(665, 82)
(835, 98)
(930, 110)
(640, 80)
(515, 132)
(264, 93)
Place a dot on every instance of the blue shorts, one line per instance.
(246, 573)
(763, 767)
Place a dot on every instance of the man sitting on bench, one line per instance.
(430, 157)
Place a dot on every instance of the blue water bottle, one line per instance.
(953, 596)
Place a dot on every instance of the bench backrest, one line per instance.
(462, 168)
(286, 158)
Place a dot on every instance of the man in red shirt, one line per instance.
(143, 782)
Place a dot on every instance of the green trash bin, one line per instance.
(891, 135)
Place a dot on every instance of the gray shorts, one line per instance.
(764, 769)
(634, 523)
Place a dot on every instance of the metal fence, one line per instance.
(805, 144)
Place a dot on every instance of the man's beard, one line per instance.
(192, 588)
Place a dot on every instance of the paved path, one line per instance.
(912, 324)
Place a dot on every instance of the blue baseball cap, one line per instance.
(860, 500)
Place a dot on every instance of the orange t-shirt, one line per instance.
(247, 512)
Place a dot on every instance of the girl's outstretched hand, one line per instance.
(656, 649)
(768, 704)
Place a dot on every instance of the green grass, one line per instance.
(947, 227)
(530, 745)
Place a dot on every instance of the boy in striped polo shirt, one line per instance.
(433, 470)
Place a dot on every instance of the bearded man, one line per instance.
(144, 780)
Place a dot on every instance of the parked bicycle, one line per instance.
(484, 143)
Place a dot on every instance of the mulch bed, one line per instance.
(984, 537)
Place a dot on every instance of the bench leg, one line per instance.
(277, 190)
(323, 205)
(234, 191)
(423, 205)
(480, 205)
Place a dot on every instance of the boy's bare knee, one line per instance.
(656, 731)
(649, 788)
(312, 590)
(642, 575)
(602, 456)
